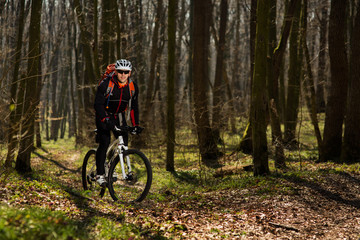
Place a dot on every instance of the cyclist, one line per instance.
(115, 93)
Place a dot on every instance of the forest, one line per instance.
(249, 107)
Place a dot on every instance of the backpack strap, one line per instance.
(132, 88)
(108, 92)
(132, 92)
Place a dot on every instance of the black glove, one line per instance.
(109, 124)
(136, 130)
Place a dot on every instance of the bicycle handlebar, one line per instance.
(132, 130)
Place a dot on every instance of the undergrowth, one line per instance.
(49, 203)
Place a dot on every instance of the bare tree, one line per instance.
(273, 92)
(259, 99)
(321, 76)
(219, 85)
(351, 145)
(31, 101)
(171, 85)
(335, 110)
(150, 92)
(14, 119)
(246, 141)
(201, 35)
(309, 85)
(294, 74)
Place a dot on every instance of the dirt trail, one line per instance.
(328, 208)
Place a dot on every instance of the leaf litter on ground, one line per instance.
(321, 201)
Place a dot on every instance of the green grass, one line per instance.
(49, 203)
(40, 207)
(37, 223)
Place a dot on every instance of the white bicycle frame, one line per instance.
(119, 146)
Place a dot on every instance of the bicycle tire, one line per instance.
(137, 187)
(89, 171)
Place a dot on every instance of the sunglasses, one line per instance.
(122, 72)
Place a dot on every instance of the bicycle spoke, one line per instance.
(137, 183)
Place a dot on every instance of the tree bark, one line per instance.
(273, 92)
(153, 60)
(170, 143)
(321, 77)
(309, 84)
(140, 33)
(89, 76)
(246, 140)
(85, 42)
(277, 60)
(23, 164)
(95, 34)
(259, 101)
(190, 80)
(201, 35)
(106, 23)
(351, 145)
(335, 109)
(219, 85)
(293, 90)
(124, 32)
(14, 120)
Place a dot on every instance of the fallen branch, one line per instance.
(231, 170)
(284, 226)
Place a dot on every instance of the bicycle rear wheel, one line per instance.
(89, 173)
(137, 184)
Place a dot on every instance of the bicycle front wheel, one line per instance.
(137, 182)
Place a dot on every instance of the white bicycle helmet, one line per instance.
(123, 64)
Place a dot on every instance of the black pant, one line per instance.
(103, 138)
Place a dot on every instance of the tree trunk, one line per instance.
(14, 120)
(190, 79)
(54, 96)
(219, 85)
(309, 84)
(73, 128)
(277, 60)
(106, 23)
(170, 146)
(259, 101)
(229, 92)
(37, 110)
(351, 145)
(293, 90)
(335, 109)
(201, 35)
(89, 76)
(95, 38)
(246, 140)
(273, 92)
(321, 77)
(124, 33)
(153, 60)
(31, 102)
(139, 47)
(85, 41)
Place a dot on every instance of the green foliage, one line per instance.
(37, 223)
(50, 203)
(104, 228)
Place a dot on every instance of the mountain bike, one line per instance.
(128, 171)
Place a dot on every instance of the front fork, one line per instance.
(121, 150)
